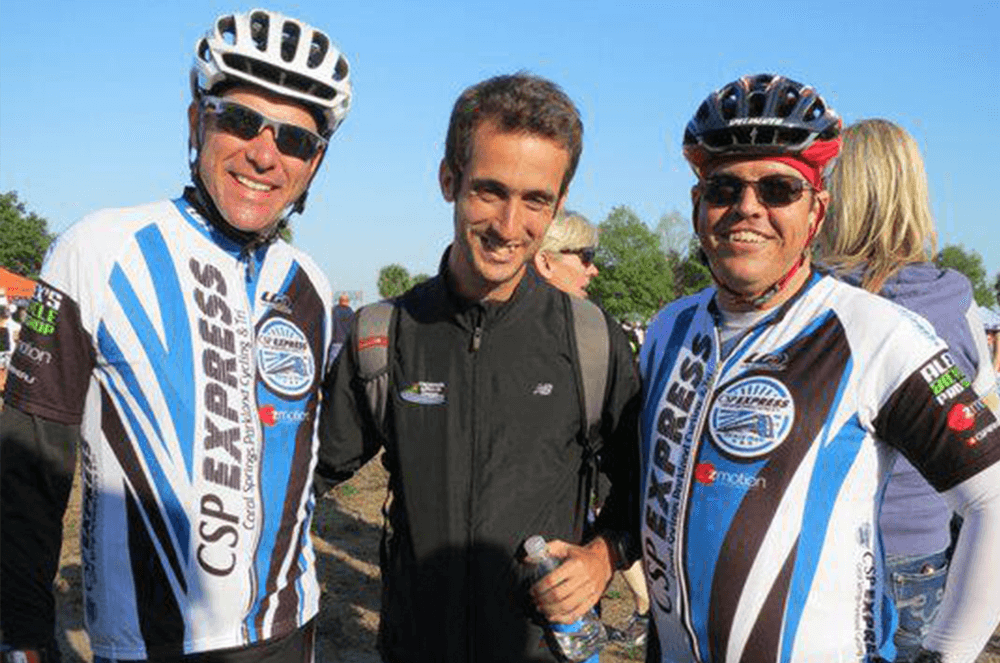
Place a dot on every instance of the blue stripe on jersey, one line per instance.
(173, 367)
(657, 383)
(172, 505)
(277, 453)
(712, 508)
(833, 462)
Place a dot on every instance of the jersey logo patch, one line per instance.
(284, 358)
(752, 417)
(425, 393)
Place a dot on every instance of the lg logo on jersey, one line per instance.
(278, 302)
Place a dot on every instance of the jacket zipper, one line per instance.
(474, 345)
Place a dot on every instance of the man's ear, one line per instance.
(193, 128)
(447, 179)
(818, 212)
(695, 199)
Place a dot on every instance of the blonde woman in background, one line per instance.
(566, 260)
(566, 256)
(879, 235)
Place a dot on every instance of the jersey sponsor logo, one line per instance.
(963, 418)
(944, 378)
(43, 310)
(708, 475)
(23, 376)
(865, 634)
(766, 362)
(425, 393)
(542, 389)
(752, 417)
(271, 416)
(671, 450)
(285, 358)
(277, 301)
(33, 353)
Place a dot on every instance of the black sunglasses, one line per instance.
(586, 254)
(771, 190)
(246, 123)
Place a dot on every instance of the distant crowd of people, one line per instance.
(799, 463)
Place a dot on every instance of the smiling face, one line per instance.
(751, 246)
(504, 202)
(251, 182)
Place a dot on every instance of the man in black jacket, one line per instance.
(484, 431)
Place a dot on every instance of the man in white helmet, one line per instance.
(182, 343)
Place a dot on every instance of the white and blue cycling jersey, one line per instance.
(192, 367)
(763, 471)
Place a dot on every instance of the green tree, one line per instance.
(393, 280)
(25, 236)
(970, 263)
(635, 279)
(996, 288)
(690, 273)
(418, 278)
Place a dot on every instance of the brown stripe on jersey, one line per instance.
(765, 637)
(309, 315)
(824, 352)
(113, 429)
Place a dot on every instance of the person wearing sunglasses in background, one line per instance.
(775, 404)
(183, 342)
(879, 235)
(566, 256)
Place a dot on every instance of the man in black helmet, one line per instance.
(183, 343)
(775, 403)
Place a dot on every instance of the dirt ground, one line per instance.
(346, 534)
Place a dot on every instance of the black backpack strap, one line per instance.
(593, 352)
(372, 327)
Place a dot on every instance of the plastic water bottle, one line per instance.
(583, 639)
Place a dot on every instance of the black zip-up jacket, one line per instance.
(482, 444)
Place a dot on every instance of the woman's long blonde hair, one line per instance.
(879, 217)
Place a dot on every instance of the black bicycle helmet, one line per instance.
(759, 115)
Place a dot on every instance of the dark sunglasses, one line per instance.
(772, 190)
(245, 123)
(586, 254)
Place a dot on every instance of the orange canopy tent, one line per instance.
(18, 287)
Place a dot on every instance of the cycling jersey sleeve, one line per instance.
(37, 460)
(348, 433)
(970, 609)
(941, 426)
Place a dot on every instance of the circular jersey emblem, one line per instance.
(752, 416)
(284, 358)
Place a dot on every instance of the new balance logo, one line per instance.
(542, 389)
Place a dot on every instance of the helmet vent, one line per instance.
(788, 101)
(227, 29)
(815, 111)
(756, 104)
(290, 34)
(341, 69)
(317, 50)
(730, 104)
(259, 26)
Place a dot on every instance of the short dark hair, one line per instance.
(517, 103)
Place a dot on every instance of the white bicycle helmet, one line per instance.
(278, 53)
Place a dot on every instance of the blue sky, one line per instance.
(93, 99)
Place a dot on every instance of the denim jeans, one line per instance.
(917, 585)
